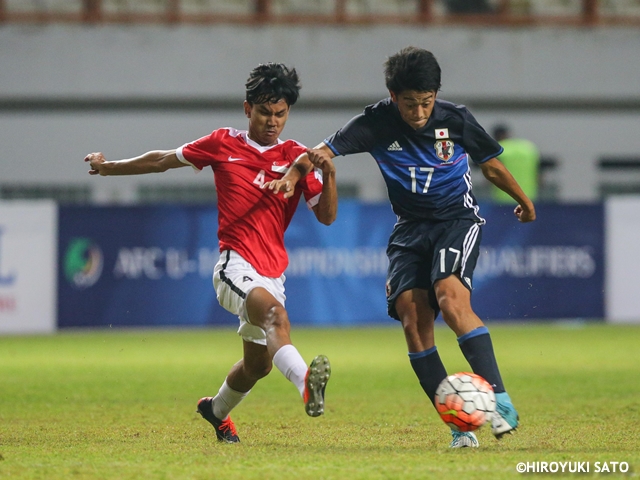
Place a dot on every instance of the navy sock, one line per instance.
(478, 350)
(429, 370)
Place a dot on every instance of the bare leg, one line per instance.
(454, 300)
(418, 319)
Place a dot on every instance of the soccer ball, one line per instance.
(465, 401)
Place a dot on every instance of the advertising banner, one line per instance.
(138, 266)
(153, 266)
(337, 274)
(28, 236)
(622, 259)
(552, 268)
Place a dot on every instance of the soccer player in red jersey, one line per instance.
(248, 277)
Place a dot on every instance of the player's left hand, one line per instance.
(282, 185)
(524, 214)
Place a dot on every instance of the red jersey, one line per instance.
(252, 221)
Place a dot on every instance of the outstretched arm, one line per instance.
(300, 168)
(150, 162)
(494, 171)
(327, 208)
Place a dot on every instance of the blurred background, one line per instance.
(127, 76)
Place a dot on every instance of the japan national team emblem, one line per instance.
(444, 150)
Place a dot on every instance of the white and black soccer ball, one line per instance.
(465, 401)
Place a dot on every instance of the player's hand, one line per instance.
(525, 214)
(321, 160)
(282, 185)
(96, 160)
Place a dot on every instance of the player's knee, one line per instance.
(277, 318)
(450, 307)
(410, 325)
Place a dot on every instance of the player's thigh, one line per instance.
(455, 251)
(452, 295)
(234, 279)
(408, 270)
(264, 309)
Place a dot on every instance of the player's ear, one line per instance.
(247, 109)
(394, 97)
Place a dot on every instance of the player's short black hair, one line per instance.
(272, 82)
(412, 68)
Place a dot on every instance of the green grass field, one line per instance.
(121, 404)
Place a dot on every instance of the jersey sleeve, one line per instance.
(202, 152)
(356, 136)
(477, 142)
(311, 186)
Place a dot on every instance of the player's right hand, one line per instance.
(282, 185)
(525, 214)
(321, 159)
(95, 163)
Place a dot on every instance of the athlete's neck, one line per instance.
(262, 144)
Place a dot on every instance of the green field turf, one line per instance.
(120, 404)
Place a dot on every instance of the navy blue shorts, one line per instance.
(420, 253)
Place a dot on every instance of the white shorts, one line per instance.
(233, 279)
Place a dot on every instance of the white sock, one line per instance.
(226, 400)
(289, 361)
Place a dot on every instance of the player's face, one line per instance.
(266, 121)
(415, 107)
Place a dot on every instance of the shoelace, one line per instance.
(228, 426)
(457, 436)
(305, 396)
(503, 410)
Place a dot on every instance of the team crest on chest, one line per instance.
(280, 167)
(444, 150)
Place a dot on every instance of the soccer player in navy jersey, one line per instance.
(423, 146)
(248, 277)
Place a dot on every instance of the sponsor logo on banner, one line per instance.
(6, 278)
(27, 267)
(331, 262)
(552, 261)
(155, 263)
(83, 263)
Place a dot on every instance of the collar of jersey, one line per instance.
(257, 146)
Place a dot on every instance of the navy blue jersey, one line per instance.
(426, 170)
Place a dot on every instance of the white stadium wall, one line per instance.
(514, 75)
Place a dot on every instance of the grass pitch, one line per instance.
(121, 405)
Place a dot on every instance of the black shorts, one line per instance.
(420, 253)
